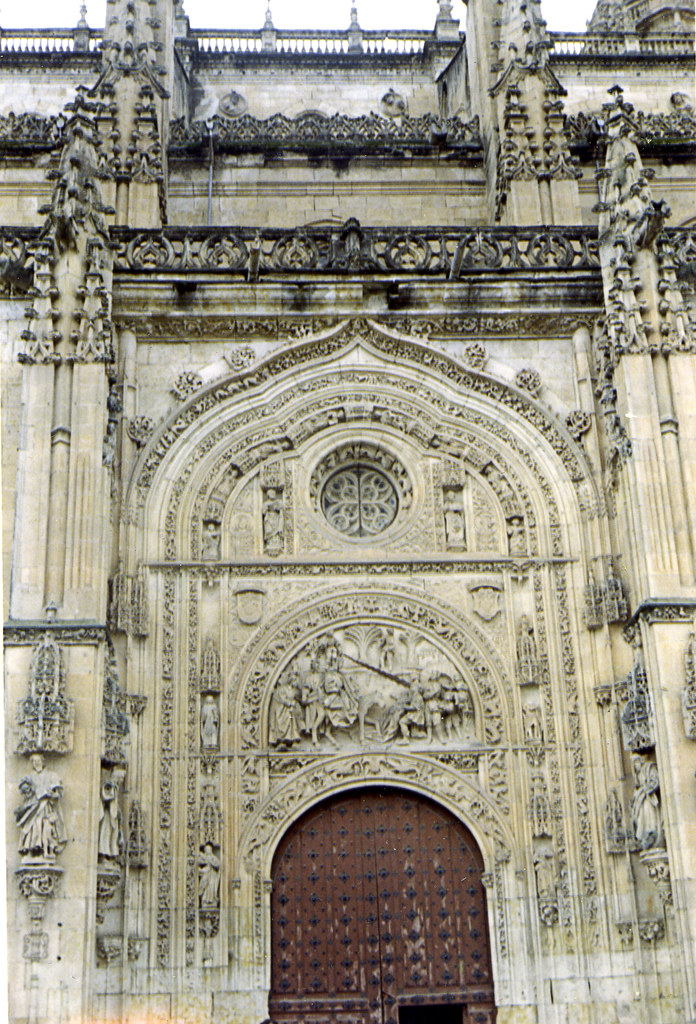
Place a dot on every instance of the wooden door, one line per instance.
(379, 916)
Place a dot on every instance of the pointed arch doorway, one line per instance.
(378, 916)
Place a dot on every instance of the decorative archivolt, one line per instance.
(288, 802)
(214, 441)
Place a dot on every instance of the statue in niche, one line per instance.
(208, 878)
(533, 729)
(517, 538)
(646, 816)
(273, 521)
(453, 512)
(39, 818)
(365, 683)
(539, 809)
(110, 836)
(210, 723)
(210, 541)
(527, 664)
(545, 872)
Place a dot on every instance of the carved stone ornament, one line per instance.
(636, 716)
(689, 689)
(486, 598)
(45, 718)
(140, 430)
(38, 883)
(109, 876)
(578, 423)
(115, 721)
(210, 679)
(232, 104)
(474, 355)
(109, 948)
(137, 850)
(529, 380)
(251, 605)
(657, 864)
(186, 384)
(617, 838)
(393, 104)
(370, 683)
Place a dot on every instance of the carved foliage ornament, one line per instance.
(689, 689)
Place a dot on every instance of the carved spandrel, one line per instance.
(370, 683)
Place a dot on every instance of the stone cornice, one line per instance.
(22, 632)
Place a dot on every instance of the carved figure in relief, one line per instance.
(110, 836)
(283, 725)
(527, 664)
(210, 723)
(533, 729)
(366, 683)
(453, 512)
(39, 818)
(273, 521)
(208, 877)
(646, 816)
(210, 541)
(517, 538)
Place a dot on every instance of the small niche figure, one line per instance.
(517, 540)
(210, 541)
(645, 804)
(273, 521)
(208, 878)
(110, 837)
(453, 511)
(210, 723)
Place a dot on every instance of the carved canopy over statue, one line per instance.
(370, 683)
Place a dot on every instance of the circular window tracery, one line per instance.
(359, 501)
(360, 490)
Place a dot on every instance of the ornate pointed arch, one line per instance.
(225, 432)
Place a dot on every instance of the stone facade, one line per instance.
(348, 438)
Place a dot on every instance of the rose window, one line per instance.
(359, 501)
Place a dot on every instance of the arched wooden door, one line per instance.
(379, 916)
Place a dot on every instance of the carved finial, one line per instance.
(268, 24)
(82, 23)
(354, 18)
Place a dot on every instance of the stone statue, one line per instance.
(545, 874)
(646, 817)
(110, 838)
(210, 541)
(273, 522)
(208, 878)
(453, 511)
(527, 664)
(210, 723)
(39, 818)
(517, 539)
(283, 727)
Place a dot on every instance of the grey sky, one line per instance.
(286, 13)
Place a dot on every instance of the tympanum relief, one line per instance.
(370, 684)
